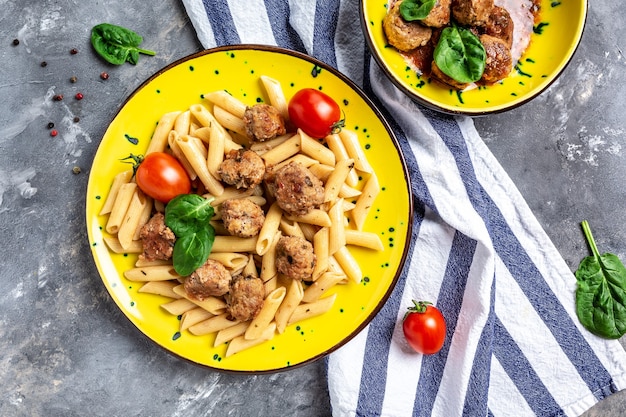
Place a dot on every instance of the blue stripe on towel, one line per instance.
(522, 373)
(326, 16)
(222, 22)
(285, 35)
(449, 301)
(523, 269)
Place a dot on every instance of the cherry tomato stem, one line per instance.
(424, 327)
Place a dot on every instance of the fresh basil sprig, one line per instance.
(188, 216)
(412, 10)
(601, 292)
(117, 44)
(460, 55)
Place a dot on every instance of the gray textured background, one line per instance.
(66, 349)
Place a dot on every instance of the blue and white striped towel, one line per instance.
(514, 345)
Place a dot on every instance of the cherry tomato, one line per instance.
(317, 114)
(424, 328)
(162, 177)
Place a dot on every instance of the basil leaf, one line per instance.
(188, 213)
(412, 10)
(460, 55)
(601, 292)
(117, 44)
(192, 250)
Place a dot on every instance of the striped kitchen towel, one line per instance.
(514, 345)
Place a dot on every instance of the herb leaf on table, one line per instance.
(117, 44)
(601, 292)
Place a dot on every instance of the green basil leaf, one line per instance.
(601, 292)
(192, 250)
(117, 44)
(412, 10)
(188, 213)
(460, 55)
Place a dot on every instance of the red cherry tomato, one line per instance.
(317, 114)
(162, 177)
(424, 328)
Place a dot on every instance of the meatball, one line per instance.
(242, 217)
(242, 168)
(444, 78)
(245, 298)
(157, 239)
(297, 190)
(499, 63)
(404, 35)
(263, 122)
(211, 279)
(472, 12)
(439, 15)
(295, 258)
(500, 25)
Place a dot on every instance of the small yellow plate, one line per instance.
(237, 69)
(553, 43)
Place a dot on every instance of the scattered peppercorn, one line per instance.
(16, 42)
(44, 64)
(76, 119)
(54, 132)
(50, 125)
(73, 79)
(104, 76)
(79, 96)
(73, 51)
(76, 170)
(58, 97)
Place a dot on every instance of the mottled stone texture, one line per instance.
(67, 350)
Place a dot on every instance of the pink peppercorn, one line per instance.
(79, 96)
(53, 132)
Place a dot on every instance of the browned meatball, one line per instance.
(439, 75)
(263, 122)
(242, 168)
(211, 279)
(472, 12)
(242, 217)
(245, 299)
(157, 239)
(404, 35)
(297, 190)
(439, 15)
(295, 258)
(499, 63)
(500, 25)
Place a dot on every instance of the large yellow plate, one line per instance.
(553, 43)
(237, 69)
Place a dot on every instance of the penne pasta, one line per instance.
(240, 343)
(229, 333)
(351, 144)
(316, 150)
(164, 288)
(349, 265)
(158, 143)
(151, 273)
(293, 297)
(227, 102)
(321, 285)
(313, 309)
(213, 305)
(136, 210)
(213, 324)
(275, 94)
(364, 239)
(229, 121)
(193, 316)
(365, 201)
(178, 307)
(119, 179)
(288, 148)
(120, 207)
(114, 245)
(336, 145)
(269, 229)
(266, 315)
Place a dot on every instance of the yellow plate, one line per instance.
(553, 43)
(237, 69)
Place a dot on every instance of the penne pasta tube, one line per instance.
(240, 343)
(271, 284)
(268, 261)
(336, 232)
(308, 310)
(199, 164)
(229, 121)
(299, 158)
(350, 141)
(164, 288)
(234, 244)
(317, 217)
(231, 260)
(215, 155)
(229, 333)
(141, 262)
(275, 94)
(144, 217)
(202, 115)
(226, 101)
(364, 239)
(130, 224)
(336, 145)
(213, 305)
(119, 179)
(172, 140)
(152, 273)
(178, 307)
(263, 147)
(349, 264)
(321, 251)
(365, 201)
(290, 228)
(182, 123)
(337, 178)
(348, 192)
(114, 245)
(250, 268)
(193, 316)
(316, 149)
(120, 207)
(321, 171)
(213, 324)
(283, 151)
(158, 143)
(266, 314)
(269, 228)
(319, 287)
(230, 193)
(292, 299)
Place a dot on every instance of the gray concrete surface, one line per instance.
(66, 349)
